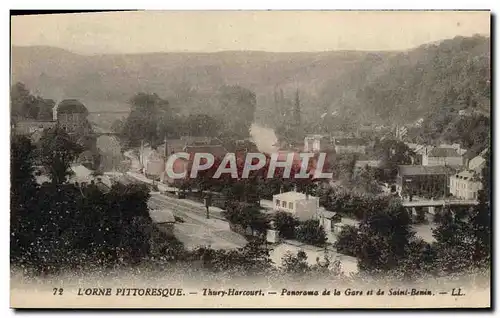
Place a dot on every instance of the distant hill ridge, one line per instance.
(376, 86)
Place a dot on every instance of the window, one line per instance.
(277, 203)
(290, 205)
(284, 204)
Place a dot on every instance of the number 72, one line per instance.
(58, 291)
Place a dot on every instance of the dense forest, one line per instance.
(451, 75)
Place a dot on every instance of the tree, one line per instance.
(25, 105)
(285, 223)
(327, 266)
(201, 125)
(365, 181)
(247, 216)
(237, 109)
(393, 153)
(311, 232)
(256, 256)
(57, 152)
(384, 234)
(481, 217)
(419, 261)
(343, 166)
(252, 259)
(22, 154)
(129, 221)
(68, 226)
(347, 241)
(296, 264)
(22, 191)
(454, 242)
(20, 100)
(148, 120)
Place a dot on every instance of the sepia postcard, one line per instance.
(251, 159)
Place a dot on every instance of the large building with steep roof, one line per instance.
(442, 156)
(71, 116)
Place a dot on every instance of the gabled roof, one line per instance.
(329, 214)
(216, 150)
(443, 152)
(414, 170)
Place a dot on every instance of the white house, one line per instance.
(441, 156)
(465, 185)
(302, 206)
(152, 161)
(314, 143)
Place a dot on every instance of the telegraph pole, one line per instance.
(207, 204)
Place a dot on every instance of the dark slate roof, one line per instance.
(329, 214)
(414, 170)
(71, 106)
(443, 152)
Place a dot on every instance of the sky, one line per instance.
(273, 31)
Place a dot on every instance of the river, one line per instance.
(264, 138)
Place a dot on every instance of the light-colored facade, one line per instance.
(71, 116)
(465, 185)
(155, 164)
(314, 143)
(302, 206)
(73, 122)
(350, 145)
